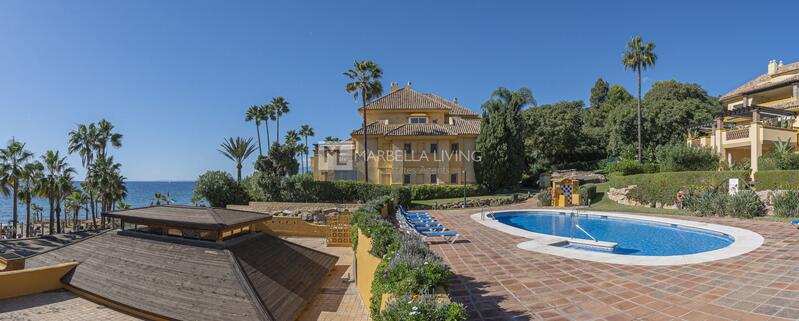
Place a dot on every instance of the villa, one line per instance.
(417, 138)
(176, 262)
(333, 161)
(758, 114)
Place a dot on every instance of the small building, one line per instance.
(191, 263)
(416, 138)
(758, 114)
(334, 161)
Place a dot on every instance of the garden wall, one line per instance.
(365, 267)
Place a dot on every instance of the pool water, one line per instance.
(634, 237)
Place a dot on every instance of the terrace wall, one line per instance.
(34, 280)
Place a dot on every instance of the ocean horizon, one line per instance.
(140, 193)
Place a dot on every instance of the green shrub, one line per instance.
(303, 188)
(631, 167)
(432, 191)
(779, 161)
(777, 179)
(662, 188)
(744, 204)
(682, 157)
(545, 197)
(786, 204)
(219, 189)
(587, 193)
(717, 202)
(421, 308)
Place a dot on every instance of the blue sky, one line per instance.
(175, 77)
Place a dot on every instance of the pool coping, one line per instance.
(745, 240)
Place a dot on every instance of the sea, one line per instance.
(139, 194)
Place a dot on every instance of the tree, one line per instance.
(12, 163)
(84, 141)
(219, 189)
(599, 93)
(500, 143)
(365, 77)
(331, 139)
(555, 139)
(159, 198)
(106, 177)
(305, 131)
(55, 166)
(105, 136)
(63, 187)
(237, 150)
(638, 57)
(267, 114)
(280, 162)
(31, 179)
(254, 114)
(281, 107)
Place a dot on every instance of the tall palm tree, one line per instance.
(37, 212)
(54, 166)
(32, 177)
(84, 141)
(365, 77)
(267, 114)
(12, 163)
(638, 57)
(105, 136)
(305, 131)
(106, 176)
(75, 202)
(254, 114)
(281, 107)
(63, 188)
(159, 197)
(237, 150)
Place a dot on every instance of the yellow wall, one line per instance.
(35, 280)
(291, 226)
(365, 267)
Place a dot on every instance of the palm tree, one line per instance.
(12, 163)
(54, 166)
(75, 202)
(32, 177)
(268, 113)
(237, 150)
(281, 107)
(84, 141)
(63, 188)
(331, 139)
(159, 197)
(365, 82)
(306, 131)
(106, 177)
(105, 136)
(37, 212)
(254, 114)
(638, 57)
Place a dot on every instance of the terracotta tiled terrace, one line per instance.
(498, 281)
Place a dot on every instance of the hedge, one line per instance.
(662, 188)
(431, 191)
(777, 179)
(408, 269)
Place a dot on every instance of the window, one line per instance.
(418, 120)
(433, 179)
(435, 120)
(406, 179)
(434, 148)
(453, 178)
(407, 148)
(454, 148)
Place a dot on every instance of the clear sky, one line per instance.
(176, 77)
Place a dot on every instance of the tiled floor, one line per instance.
(337, 299)
(57, 306)
(498, 281)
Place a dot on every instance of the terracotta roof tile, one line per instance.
(765, 80)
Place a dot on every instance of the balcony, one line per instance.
(741, 136)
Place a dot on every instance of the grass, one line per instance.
(608, 205)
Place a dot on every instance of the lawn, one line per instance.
(607, 205)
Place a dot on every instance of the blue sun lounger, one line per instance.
(795, 223)
(427, 227)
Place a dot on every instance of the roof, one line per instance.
(408, 99)
(191, 282)
(458, 127)
(765, 80)
(32, 246)
(189, 216)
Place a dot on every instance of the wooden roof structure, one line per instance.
(255, 277)
(189, 216)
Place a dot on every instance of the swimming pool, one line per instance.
(632, 236)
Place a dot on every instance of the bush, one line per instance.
(432, 191)
(786, 204)
(662, 188)
(631, 167)
(587, 193)
(717, 202)
(777, 179)
(545, 197)
(421, 308)
(219, 189)
(682, 157)
(782, 161)
(303, 188)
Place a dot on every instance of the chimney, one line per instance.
(410, 85)
(394, 86)
(772, 67)
(779, 64)
(455, 100)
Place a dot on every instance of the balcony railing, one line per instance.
(738, 134)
